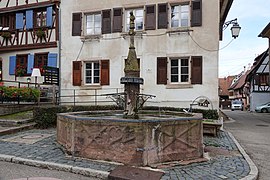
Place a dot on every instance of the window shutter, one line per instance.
(29, 19)
(52, 60)
(117, 20)
(196, 15)
(196, 70)
(162, 16)
(77, 75)
(12, 65)
(161, 70)
(49, 18)
(76, 24)
(30, 63)
(19, 21)
(150, 17)
(105, 72)
(106, 21)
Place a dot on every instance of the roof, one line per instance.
(265, 32)
(225, 6)
(257, 62)
(224, 84)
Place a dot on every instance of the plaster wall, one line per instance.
(149, 45)
(258, 99)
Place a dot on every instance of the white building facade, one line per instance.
(176, 43)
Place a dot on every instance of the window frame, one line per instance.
(85, 23)
(179, 15)
(126, 16)
(179, 74)
(92, 76)
(24, 64)
(43, 21)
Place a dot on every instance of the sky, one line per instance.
(252, 16)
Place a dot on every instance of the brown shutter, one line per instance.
(106, 21)
(196, 70)
(76, 24)
(105, 72)
(77, 75)
(196, 15)
(162, 16)
(161, 70)
(117, 20)
(150, 17)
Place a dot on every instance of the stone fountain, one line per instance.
(144, 138)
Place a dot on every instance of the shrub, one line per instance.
(24, 93)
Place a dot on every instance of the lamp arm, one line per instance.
(226, 24)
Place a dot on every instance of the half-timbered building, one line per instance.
(258, 81)
(177, 44)
(29, 38)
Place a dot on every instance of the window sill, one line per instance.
(91, 87)
(138, 34)
(178, 86)
(178, 30)
(91, 37)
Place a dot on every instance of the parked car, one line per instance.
(264, 108)
(236, 105)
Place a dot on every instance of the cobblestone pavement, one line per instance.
(229, 165)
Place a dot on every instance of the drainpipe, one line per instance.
(59, 48)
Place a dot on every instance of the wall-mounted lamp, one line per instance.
(36, 73)
(235, 29)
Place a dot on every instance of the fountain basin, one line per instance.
(152, 139)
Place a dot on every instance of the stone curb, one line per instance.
(11, 130)
(56, 166)
(253, 174)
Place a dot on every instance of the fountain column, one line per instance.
(132, 78)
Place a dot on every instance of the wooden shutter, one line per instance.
(106, 21)
(12, 65)
(196, 13)
(117, 20)
(52, 60)
(76, 24)
(150, 17)
(196, 70)
(162, 16)
(29, 19)
(77, 74)
(105, 72)
(49, 18)
(19, 21)
(30, 63)
(161, 70)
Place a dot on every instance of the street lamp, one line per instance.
(36, 73)
(235, 29)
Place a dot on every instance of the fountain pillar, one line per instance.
(132, 78)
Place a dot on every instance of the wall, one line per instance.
(115, 48)
(258, 99)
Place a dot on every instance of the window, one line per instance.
(180, 16)
(92, 72)
(41, 60)
(40, 18)
(139, 14)
(21, 65)
(7, 22)
(93, 24)
(179, 70)
(264, 79)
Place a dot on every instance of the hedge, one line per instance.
(46, 116)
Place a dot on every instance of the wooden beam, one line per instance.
(28, 47)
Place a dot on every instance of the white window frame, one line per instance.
(96, 26)
(137, 18)
(182, 9)
(180, 73)
(92, 71)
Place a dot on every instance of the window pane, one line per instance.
(139, 12)
(174, 62)
(88, 65)
(184, 62)
(174, 78)
(88, 80)
(184, 70)
(96, 65)
(98, 30)
(184, 23)
(88, 73)
(174, 70)
(175, 23)
(98, 18)
(184, 78)
(96, 72)
(185, 8)
(96, 79)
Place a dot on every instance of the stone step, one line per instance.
(13, 129)
(10, 122)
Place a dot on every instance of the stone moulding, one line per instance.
(139, 142)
